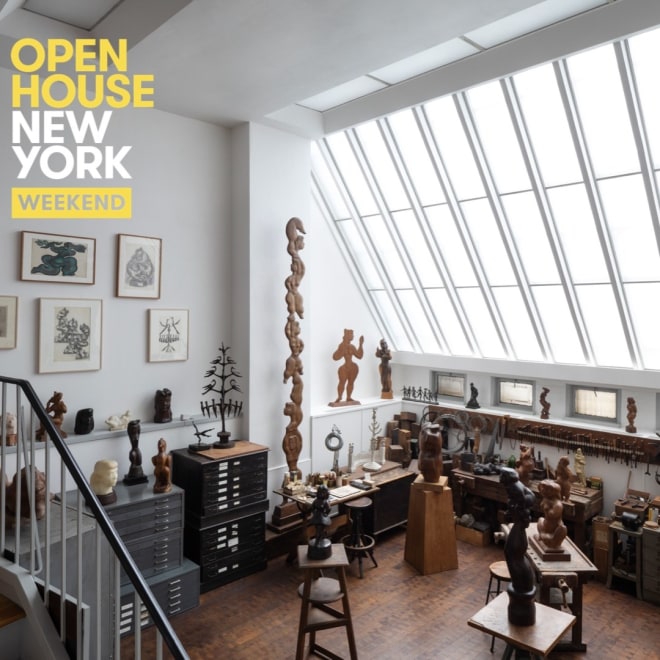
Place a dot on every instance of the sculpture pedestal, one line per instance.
(549, 554)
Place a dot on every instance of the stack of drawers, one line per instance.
(651, 564)
(226, 504)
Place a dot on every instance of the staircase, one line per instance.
(60, 556)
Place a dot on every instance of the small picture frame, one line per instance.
(69, 334)
(138, 266)
(57, 258)
(168, 335)
(8, 321)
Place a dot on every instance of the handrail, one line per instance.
(119, 548)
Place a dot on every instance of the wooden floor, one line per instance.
(397, 614)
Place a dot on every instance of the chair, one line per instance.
(357, 543)
(499, 572)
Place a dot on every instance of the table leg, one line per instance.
(304, 613)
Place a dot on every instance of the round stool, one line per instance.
(357, 543)
(499, 572)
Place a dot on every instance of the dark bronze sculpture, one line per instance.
(84, 421)
(383, 352)
(348, 371)
(135, 474)
(320, 547)
(521, 590)
(163, 406)
(293, 369)
(474, 393)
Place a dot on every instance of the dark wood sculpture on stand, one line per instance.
(545, 404)
(474, 393)
(55, 407)
(163, 406)
(320, 547)
(430, 452)
(135, 473)
(522, 589)
(632, 413)
(293, 369)
(348, 371)
(385, 370)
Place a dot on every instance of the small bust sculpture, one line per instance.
(320, 546)
(162, 468)
(564, 477)
(550, 526)
(163, 406)
(104, 479)
(84, 421)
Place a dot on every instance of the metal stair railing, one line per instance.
(40, 539)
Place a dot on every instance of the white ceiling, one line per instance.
(227, 61)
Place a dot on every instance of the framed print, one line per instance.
(168, 335)
(57, 258)
(138, 266)
(8, 319)
(69, 334)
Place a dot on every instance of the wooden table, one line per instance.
(539, 639)
(579, 510)
(545, 570)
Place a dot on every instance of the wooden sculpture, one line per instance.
(525, 464)
(162, 462)
(632, 413)
(565, 477)
(545, 404)
(430, 452)
(39, 492)
(293, 369)
(551, 530)
(55, 407)
(348, 371)
(385, 370)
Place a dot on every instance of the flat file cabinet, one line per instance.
(225, 514)
(651, 564)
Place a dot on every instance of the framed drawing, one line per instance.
(57, 258)
(69, 334)
(168, 335)
(8, 319)
(138, 266)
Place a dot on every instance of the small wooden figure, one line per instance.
(104, 479)
(551, 530)
(430, 453)
(163, 405)
(545, 405)
(55, 407)
(565, 477)
(39, 495)
(135, 474)
(383, 352)
(162, 468)
(525, 464)
(632, 413)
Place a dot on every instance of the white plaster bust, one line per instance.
(104, 477)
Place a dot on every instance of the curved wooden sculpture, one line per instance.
(293, 369)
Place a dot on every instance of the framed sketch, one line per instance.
(69, 334)
(57, 258)
(138, 266)
(168, 335)
(8, 320)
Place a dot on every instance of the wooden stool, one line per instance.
(357, 543)
(499, 572)
(316, 593)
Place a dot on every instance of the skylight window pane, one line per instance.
(360, 253)
(418, 321)
(380, 161)
(454, 148)
(418, 252)
(481, 323)
(645, 52)
(602, 109)
(517, 323)
(451, 246)
(416, 157)
(627, 213)
(488, 241)
(387, 252)
(643, 305)
(603, 323)
(498, 138)
(394, 328)
(558, 324)
(352, 174)
(529, 234)
(547, 126)
(328, 186)
(577, 234)
(447, 320)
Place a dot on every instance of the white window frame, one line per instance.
(572, 404)
(507, 403)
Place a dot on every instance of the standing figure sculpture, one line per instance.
(579, 463)
(474, 393)
(162, 468)
(521, 590)
(545, 404)
(632, 413)
(320, 547)
(348, 371)
(55, 407)
(550, 527)
(383, 352)
(135, 474)
(565, 477)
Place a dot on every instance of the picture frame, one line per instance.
(57, 258)
(8, 321)
(168, 335)
(138, 266)
(70, 331)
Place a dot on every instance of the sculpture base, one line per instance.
(223, 441)
(371, 466)
(522, 608)
(386, 395)
(199, 446)
(340, 404)
(546, 553)
(133, 480)
(320, 550)
(108, 498)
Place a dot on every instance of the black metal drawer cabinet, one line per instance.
(651, 565)
(225, 515)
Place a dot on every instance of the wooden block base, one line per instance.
(549, 554)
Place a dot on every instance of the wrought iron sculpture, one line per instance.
(223, 380)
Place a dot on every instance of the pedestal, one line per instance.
(431, 534)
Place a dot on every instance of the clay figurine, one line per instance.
(162, 468)
(320, 547)
(163, 405)
(348, 371)
(579, 464)
(104, 479)
(551, 530)
(118, 422)
(383, 352)
(135, 474)
(55, 407)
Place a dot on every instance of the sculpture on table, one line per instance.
(293, 370)
(579, 463)
(348, 371)
(385, 370)
(162, 462)
(84, 421)
(632, 413)
(522, 589)
(135, 473)
(163, 406)
(565, 477)
(551, 530)
(320, 547)
(545, 404)
(38, 491)
(55, 408)
(474, 393)
(104, 479)
(374, 427)
(9, 422)
(525, 464)
(223, 380)
(430, 452)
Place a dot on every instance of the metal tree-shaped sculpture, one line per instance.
(222, 381)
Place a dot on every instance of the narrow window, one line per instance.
(594, 403)
(514, 393)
